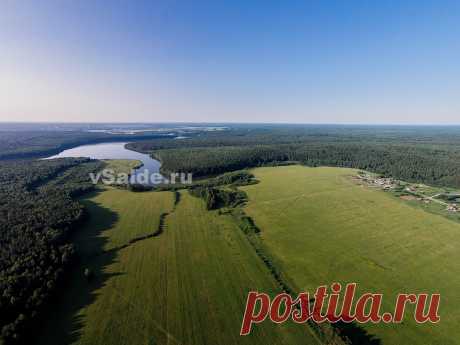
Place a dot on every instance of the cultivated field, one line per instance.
(187, 285)
(320, 227)
(135, 215)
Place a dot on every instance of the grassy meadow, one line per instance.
(122, 166)
(137, 214)
(186, 286)
(321, 227)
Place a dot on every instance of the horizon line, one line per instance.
(236, 123)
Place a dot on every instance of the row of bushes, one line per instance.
(338, 334)
(217, 198)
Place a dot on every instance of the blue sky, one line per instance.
(238, 61)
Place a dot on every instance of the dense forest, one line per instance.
(38, 209)
(28, 144)
(414, 153)
(29, 140)
(37, 212)
(419, 154)
(407, 163)
(259, 134)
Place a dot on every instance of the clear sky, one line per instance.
(230, 61)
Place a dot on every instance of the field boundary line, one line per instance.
(159, 231)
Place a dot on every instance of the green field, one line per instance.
(189, 284)
(122, 165)
(136, 214)
(320, 227)
(186, 286)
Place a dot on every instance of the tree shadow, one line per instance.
(356, 334)
(62, 321)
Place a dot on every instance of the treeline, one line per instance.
(231, 179)
(414, 153)
(265, 134)
(407, 162)
(221, 191)
(37, 213)
(28, 144)
(217, 194)
(216, 198)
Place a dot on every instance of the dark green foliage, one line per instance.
(36, 215)
(416, 164)
(136, 187)
(217, 198)
(244, 222)
(232, 179)
(419, 154)
(265, 134)
(176, 198)
(39, 143)
(450, 197)
(237, 178)
(213, 161)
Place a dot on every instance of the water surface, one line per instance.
(112, 151)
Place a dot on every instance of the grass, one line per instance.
(138, 214)
(435, 208)
(186, 286)
(320, 228)
(122, 165)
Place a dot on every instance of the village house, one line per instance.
(452, 208)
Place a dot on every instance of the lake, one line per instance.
(112, 151)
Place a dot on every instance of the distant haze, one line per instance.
(230, 61)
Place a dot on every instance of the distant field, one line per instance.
(186, 286)
(320, 227)
(122, 165)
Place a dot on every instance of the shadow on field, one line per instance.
(356, 334)
(62, 323)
